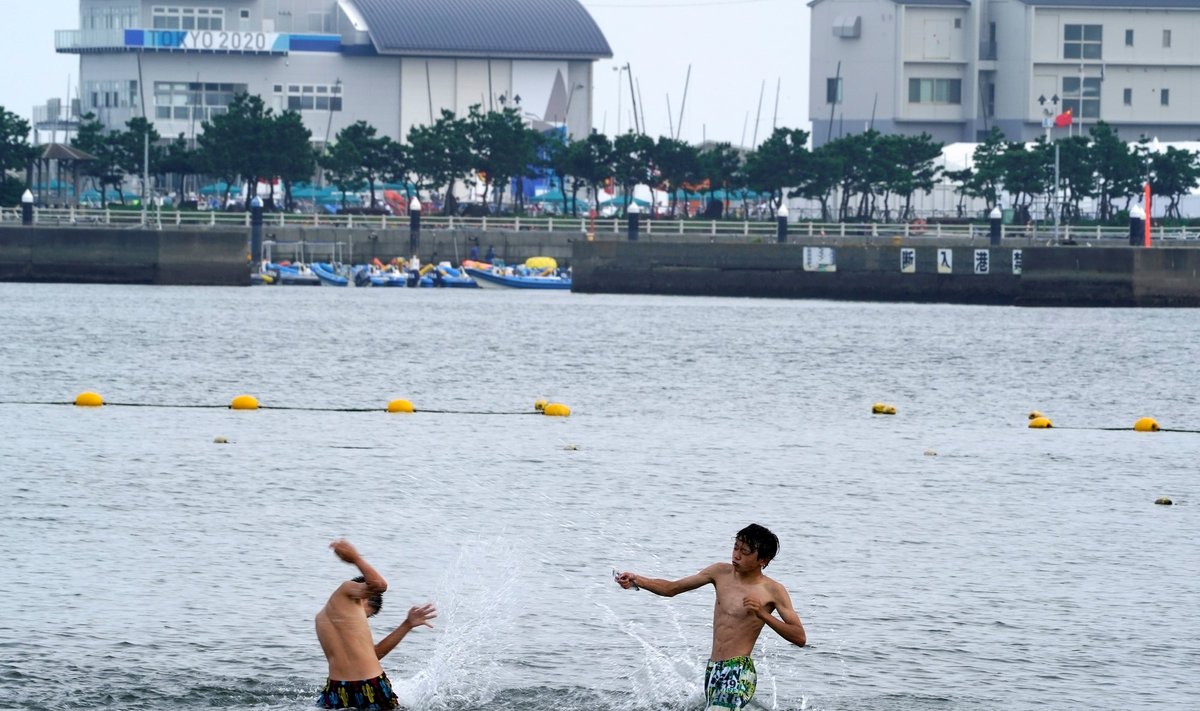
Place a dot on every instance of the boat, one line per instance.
(328, 274)
(504, 278)
(447, 276)
(378, 274)
(288, 274)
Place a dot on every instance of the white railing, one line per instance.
(657, 230)
(75, 40)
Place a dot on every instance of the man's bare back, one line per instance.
(345, 636)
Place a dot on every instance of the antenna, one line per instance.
(670, 121)
(775, 116)
(757, 116)
(686, 83)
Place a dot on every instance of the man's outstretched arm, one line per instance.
(417, 616)
(667, 588)
(374, 582)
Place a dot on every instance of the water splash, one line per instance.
(477, 606)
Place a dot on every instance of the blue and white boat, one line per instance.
(287, 274)
(497, 278)
(328, 274)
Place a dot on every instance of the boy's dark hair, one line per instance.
(759, 540)
(375, 600)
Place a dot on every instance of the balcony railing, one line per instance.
(987, 51)
(69, 41)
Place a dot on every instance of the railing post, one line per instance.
(634, 215)
(414, 225)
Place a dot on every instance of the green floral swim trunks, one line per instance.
(729, 683)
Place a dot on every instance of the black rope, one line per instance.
(273, 407)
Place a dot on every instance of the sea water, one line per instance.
(947, 557)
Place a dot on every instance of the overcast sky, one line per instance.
(734, 47)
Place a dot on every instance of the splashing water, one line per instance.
(477, 603)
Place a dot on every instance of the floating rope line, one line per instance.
(1120, 429)
(274, 407)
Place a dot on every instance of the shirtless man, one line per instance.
(356, 679)
(745, 600)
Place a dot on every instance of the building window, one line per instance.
(1128, 38)
(935, 91)
(311, 97)
(1129, 97)
(833, 90)
(1164, 97)
(1166, 38)
(958, 23)
(1083, 99)
(108, 18)
(118, 94)
(1083, 41)
(193, 101)
(188, 18)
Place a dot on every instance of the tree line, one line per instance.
(860, 177)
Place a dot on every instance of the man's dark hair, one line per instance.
(759, 540)
(376, 600)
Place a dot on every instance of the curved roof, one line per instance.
(515, 29)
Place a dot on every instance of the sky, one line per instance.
(738, 50)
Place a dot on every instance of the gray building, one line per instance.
(392, 63)
(956, 68)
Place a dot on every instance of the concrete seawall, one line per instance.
(971, 274)
(862, 273)
(123, 256)
(1111, 276)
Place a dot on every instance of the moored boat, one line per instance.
(497, 278)
(328, 274)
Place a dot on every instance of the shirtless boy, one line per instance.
(356, 679)
(745, 602)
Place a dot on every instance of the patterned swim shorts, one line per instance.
(371, 694)
(729, 683)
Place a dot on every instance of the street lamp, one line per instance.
(619, 70)
(1048, 118)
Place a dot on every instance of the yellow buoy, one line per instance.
(400, 406)
(220, 440)
(88, 399)
(1164, 501)
(540, 405)
(1035, 414)
(1146, 424)
(556, 409)
(880, 408)
(244, 402)
(1040, 423)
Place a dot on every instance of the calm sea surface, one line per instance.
(945, 558)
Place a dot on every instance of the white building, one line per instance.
(392, 63)
(956, 68)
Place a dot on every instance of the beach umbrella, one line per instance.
(620, 202)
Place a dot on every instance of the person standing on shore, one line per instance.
(746, 599)
(356, 678)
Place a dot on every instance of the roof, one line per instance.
(513, 29)
(1122, 4)
(61, 151)
(937, 3)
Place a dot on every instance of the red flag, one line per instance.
(1063, 119)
